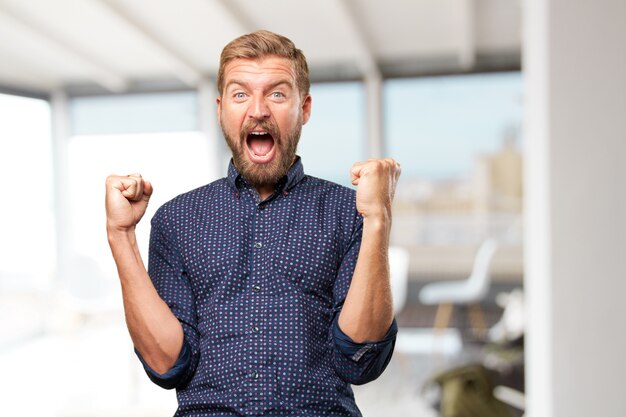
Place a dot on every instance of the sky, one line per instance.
(434, 125)
(438, 124)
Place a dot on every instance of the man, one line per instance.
(268, 290)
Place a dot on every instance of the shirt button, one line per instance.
(255, 329)
(255, 375)
(258, 245)
(256, 288)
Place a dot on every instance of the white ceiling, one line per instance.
(118, 45)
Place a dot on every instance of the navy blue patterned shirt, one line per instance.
(257, 286)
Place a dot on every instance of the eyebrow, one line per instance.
(286, 82)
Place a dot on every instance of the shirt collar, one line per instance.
(293, 177)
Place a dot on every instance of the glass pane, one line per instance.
(440, 124)
(334, 138)
(173, 162)
(458, 139)
(27, 246)
(134, 113)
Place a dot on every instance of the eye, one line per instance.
(278, 94)
(239, 95)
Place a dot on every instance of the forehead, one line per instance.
(267, 69)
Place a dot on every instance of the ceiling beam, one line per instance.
(365, 57)
(17, 91)
(240, 18)
(98, 71)
(22, 70)
(184, 70)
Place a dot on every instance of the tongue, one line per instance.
(260, 145)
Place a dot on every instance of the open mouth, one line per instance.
(260, 146)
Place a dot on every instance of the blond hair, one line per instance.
(262, 43)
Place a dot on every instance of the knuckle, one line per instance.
(111, 179)
(382, 166)
(378, 164)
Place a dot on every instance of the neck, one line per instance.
(264, 191)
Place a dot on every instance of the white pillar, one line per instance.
(373, 89)
(207, 115)
(467, 32)
(575, 175)
(61, 132)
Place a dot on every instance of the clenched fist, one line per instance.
(126, 201)
(376, 185)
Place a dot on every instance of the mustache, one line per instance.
(266, 125)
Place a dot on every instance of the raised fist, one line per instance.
(126, 201)
(376, 185)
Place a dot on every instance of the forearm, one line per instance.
(155, 331)
(367, 312)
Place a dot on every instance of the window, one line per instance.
(458, 139)
(441, 123)
(335, 136)
(152, 134)
(27, 244)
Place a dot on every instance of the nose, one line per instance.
(258, 109)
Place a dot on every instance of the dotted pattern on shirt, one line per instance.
(256, 286)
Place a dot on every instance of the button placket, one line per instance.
(255, 335)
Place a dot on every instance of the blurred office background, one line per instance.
(508, 238)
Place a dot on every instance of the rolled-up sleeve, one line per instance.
(363, 362)
(356, 363)
(167, 273)
(176, 375)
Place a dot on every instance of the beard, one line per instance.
(270, 173)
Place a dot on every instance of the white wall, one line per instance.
(575, 69)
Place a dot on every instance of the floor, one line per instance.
(86, 368)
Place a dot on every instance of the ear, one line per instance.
(218, 100)
(306, 109)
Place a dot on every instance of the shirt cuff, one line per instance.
(357, 351)
(175, 375)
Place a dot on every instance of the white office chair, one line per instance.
(468, 292)
(399, 276)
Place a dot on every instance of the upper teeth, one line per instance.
(258, 133)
